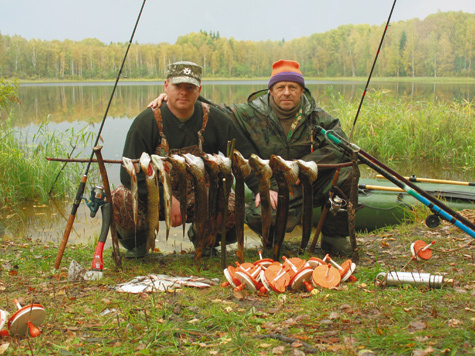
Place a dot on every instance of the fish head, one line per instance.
(289, 169)
(211, 164)
(158, 163)
(194, 164)
(129, 167)
(225, 164)
(145, 164)
(240, 164)
(308, 169)
(260, 166)
(178, 162)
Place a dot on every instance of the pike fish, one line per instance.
(263, 174)
(164, 176)
(196, 168)
(225, 184)
(130, 168)
(179, 166)
(153, 199)
(286, 175)
(241, 170)
(211, 164)
(308, 173)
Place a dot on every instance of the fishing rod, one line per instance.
(82, 184)
(371, 72)
(337, 172)
(413, 178)
(433, 204)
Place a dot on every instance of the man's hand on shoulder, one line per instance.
(156, 103)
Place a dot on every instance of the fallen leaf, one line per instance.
(238, 295)
(417, 325)
(296, 344)
(4, 347)
(264, 345)
(454, 323)
(278, 350)
(346, 308)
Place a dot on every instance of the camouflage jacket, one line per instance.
(262, 127)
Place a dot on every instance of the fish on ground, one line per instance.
(153, 199)
(241, 170)
(196, 168)
(263, 174)
(164, 176)
(286, 175)
(308, 173)
(179, 167)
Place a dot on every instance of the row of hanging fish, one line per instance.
(209, 203)
(213, 177)
(287, 174)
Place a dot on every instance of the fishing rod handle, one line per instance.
(70, 222)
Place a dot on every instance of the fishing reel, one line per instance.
(337, 204)
(96, 200)
(432, 221)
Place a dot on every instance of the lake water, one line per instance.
(84, 104)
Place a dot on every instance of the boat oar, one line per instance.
(440, 194)
(433, 204)
(437, 181)
(379, 187)
(82, 184)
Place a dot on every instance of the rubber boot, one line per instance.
(337, 245)
(134, 243)
(207, 251)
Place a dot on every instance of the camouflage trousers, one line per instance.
(123, 212)
(335, 224)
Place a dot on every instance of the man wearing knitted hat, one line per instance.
(281, 120)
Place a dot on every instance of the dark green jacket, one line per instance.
(262, 127)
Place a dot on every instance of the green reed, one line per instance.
(26, 174)
(400, 129)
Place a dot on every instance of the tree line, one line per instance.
(441, 45)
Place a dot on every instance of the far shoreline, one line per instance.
(205, 81)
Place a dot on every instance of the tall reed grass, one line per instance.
(25, 173)
(411, 130)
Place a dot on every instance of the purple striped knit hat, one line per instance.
(286, 71)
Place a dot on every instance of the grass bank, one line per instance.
(398, 129)
(359, 318)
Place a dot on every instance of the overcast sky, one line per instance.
(164, 21)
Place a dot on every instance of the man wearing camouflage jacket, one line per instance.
(281, 121)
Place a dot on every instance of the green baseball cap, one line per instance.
(184, 72)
